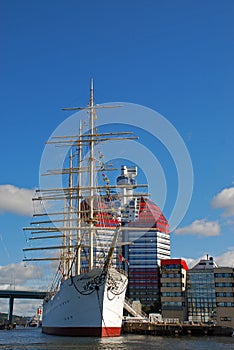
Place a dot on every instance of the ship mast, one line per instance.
(78, 218)
(77, 268)
(91, 175)
(69, 272)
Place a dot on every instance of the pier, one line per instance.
(20, 294)
(170, 329)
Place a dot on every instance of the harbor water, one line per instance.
(33, 339)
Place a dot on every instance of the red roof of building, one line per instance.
(165, 262)
(151, 216)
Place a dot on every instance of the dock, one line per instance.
(168, 329)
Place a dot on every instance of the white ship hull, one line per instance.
(89, 304)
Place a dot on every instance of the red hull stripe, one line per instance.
(83, 331)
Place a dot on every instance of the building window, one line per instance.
(224, 294)
(224, 284)
(171, 275)
(172, 303)
(172, 294)
(175, 266)
(225, 304)
(224, 274)
(225, 318)
(172, 284)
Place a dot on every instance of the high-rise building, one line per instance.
(147, 230)
(145, 236)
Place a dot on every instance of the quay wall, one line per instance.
(161, 329)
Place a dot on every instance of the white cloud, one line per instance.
(16, 200)
(18, 275)
(191, 262)
(201, 228)
(22, 307)
(24, 277)
(226, 259)
(26, 307)
(225, 201)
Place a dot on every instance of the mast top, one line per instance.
(91, 83)
(91, 101)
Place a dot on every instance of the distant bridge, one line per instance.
(19, 294)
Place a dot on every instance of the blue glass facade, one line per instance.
(201, 295)
(144, 257)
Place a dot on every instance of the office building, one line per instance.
(201, 291)
(147, 230)
(173, 288)
(224, 292)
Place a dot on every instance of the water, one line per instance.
(33, 339)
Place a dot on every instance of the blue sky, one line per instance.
(175, 57)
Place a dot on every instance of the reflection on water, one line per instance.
(33, 339)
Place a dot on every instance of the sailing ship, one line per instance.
(88, 293)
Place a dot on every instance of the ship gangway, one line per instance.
(128, 306)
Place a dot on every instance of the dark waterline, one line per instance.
(33, 339)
